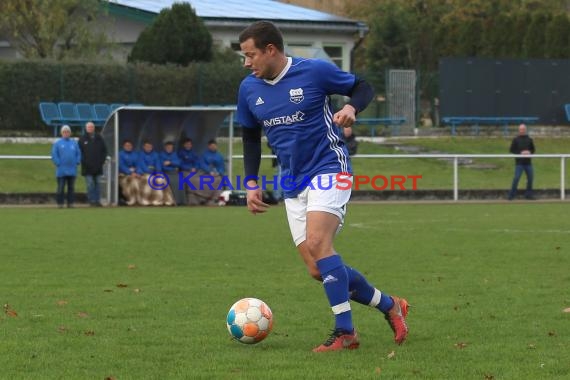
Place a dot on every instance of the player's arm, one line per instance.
(361, 95)
(251, 139)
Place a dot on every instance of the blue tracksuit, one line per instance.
(174, 161)
(148, 163)
(213, 162)
(66, 155)
(188, 160)
(128, 162)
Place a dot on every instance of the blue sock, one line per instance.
(335, 282)
(362, 292)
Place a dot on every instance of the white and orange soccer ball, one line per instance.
(249, 320)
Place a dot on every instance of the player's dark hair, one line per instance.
(212, 142)
(187, 139)
(263, 33)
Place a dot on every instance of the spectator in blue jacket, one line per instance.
(214, 166)
(190, 163)
(66, 155)
(169, 158)
(213, 161)
(148, 166)
(129, 177)
(170, 165)
(189, 160)
(149, 161)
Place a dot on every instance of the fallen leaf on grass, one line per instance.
(531, 346)
(82, 314)
(108, 290)
(567, 310)
(122, 285)
(377, 370)
(132, 266)
(552, 333)
(391, 354)
(137, 290)
(61, 303)
(489, 377)
(89, 332)
(9, 311)
(110, 378)
(460, 345)
(62, 329)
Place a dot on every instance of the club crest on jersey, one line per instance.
(296, 95)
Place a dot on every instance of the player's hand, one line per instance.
(345, 117)
(525, 152)
(255, 203)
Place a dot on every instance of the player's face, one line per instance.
(257, 60)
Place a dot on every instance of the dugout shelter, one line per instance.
(159, 125)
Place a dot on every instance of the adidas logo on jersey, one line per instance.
(329, 278)
(259, 101)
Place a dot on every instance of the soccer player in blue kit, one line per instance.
(289, 99)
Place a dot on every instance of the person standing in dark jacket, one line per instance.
(93, 156)
(522, 144)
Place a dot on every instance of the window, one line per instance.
(335, 53)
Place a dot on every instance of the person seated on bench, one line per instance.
(214, 166)
(170, 164)
(129, 177)
(190, 163)
(152, 190)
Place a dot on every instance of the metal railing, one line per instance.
(106, 185)
(454, 157)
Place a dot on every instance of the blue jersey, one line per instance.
(296, 115)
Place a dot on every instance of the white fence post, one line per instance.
(562, 178)
(455, 178)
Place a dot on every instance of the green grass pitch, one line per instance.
(143, 293)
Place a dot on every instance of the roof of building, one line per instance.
(241, 10)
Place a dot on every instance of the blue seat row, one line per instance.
(475, 121)
(76, 114)
(567, 109)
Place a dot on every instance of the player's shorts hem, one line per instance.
(330, 210)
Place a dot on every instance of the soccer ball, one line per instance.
(249, 320)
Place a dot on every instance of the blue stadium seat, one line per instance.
(51, 115)
(567, 109)
(69, 114)
(85, 112)
(102, 112)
